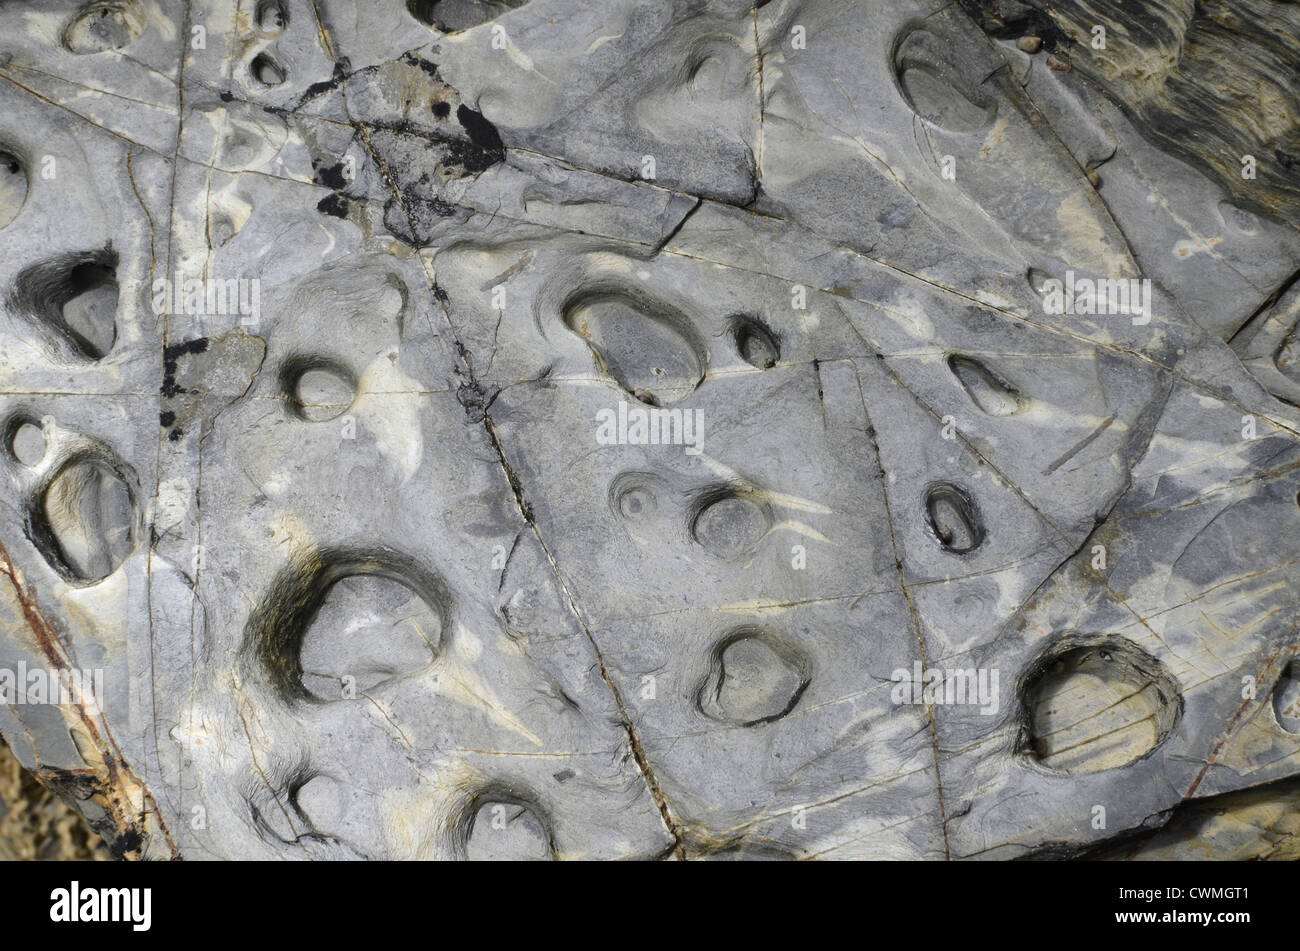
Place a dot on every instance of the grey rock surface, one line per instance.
(656, 428)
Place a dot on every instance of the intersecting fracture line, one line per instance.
(638, 751)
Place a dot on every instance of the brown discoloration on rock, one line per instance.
(113, 785)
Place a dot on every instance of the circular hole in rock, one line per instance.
(938, 86)
(426, 11)
(27, 442)
(987, 390)
(368, 629)
(729, 524)
(90, 311)
(99, 27)
(85, 524)
(337, 621)
(756, 344)
(266, 70)
(310, 812)
(74, 296)
(452, 15)
(271, 17)
(1094, 708)
(319, 390)
(1038, 279)
(753, 679)
(1286, 698)
(13, 187)
(507, 831)
(953, 519)
(649, 350)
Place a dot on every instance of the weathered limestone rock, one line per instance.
(707, 428)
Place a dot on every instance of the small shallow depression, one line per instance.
(107, 25)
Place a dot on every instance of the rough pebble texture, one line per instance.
(326, 327)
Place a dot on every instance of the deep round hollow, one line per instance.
(271, 17)
(1038, 279)
(633, 498)
(937, 87)
(367, 630)
(455, 15)
(756, 343)
(647, 347)
(426, 11)
(103, 26)
(319, 800)
(74, 296)
(275, 634)
(986, 389)
(318, 388)
(84, 521)
(754, 678)
(953, 519)
(1286, 698)
(90, 312)
(1097, 706)
(266, 70)
(25, 440)
(503, 822)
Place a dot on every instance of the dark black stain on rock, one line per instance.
(481, 132)
(475, 401)
(330, 176)
(419, 63)
(1010, 19)
(171, 360)
(1189, 75)
(341, 72)
(413, 220)
(333, 204)
(128, 843)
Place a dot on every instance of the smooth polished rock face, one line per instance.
(544, 430)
